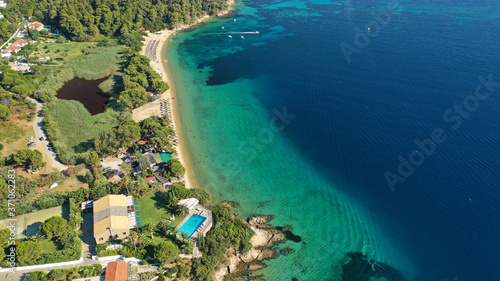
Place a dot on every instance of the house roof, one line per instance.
(150, 178)
(12, 48)
(35, 24)
(142, 142)
(116, 271)
(110, 212)
(20, 42)
(112, 222)
(110, 201)
(151, 158)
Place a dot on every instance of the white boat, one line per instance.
(222, 27)
(230, 36)
(242, 37)
(234, 19)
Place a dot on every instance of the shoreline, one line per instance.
(162, 68)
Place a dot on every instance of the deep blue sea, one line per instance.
(366, 85)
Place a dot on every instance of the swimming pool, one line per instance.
(191, 225)
(165, 156)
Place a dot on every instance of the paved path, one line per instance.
(40, 132)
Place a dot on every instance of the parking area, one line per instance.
(112, 165)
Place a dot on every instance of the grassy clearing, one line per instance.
(61, 52)
(153, 209)
(75, 128)
(20, 126)
(48, 246)
(98, 63)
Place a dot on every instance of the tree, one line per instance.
(182, 209)
(54, 227)
(133, 98)
(149, 227)
(134, 237)
(144, 164)
(35, 238)
(28, 250)
(158, 86)
(20, 90)
(33, 33)
(162, 226)
(29, 158)
(128, 132)
(184, 235)
(36, 69)
(93, 159)
(166, 252)
(174, 169)
(5, 113)
(125, 168)
(4, 237)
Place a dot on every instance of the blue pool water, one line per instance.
(191, 225)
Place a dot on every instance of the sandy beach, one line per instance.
(154, 46)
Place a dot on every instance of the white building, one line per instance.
(6, 54)
(36, 25)
(3, 4)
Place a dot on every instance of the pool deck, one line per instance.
(207, 224)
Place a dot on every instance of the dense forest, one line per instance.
(83, 19)
(6, 29)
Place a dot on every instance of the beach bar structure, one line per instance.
(190, 203)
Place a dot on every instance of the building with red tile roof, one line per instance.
(116, 271)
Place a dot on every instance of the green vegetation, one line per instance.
(5, 113)
(27, 190)
(94, 63)
(166, 252)
(154, 206)
(61, 244)
(84, 19)
(228, 232)
(67, 274)
(138, 78)
(29, 158)
(124, 135)
(71, 128)
(19, 84)
(173, 168)
(6, 29)
(60, 53)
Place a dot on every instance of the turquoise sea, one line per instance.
(283, 123)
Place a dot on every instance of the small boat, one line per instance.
(165, 61)
(230, 36)
(257, 32)
(234, 19)
(222, 27)
(242, 37)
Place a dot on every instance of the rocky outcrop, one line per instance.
(263, 241)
